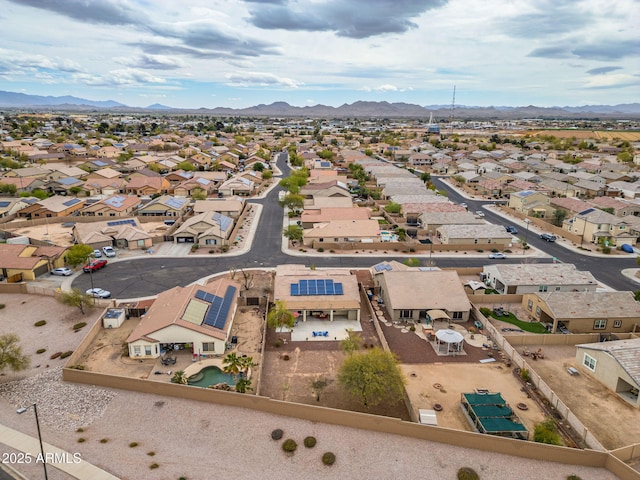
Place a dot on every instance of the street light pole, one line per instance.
(20, 411)
(526, 235)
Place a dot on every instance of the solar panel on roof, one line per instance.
(382, 266)
(174, 203)
(71, 202)
(4, 204)
(316, 287)
(295, 289)
(129, 221)
(338, 289)
(219, 310)
(589, 210)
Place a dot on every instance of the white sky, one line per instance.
(208, 53)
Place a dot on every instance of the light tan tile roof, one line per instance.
(345, 229)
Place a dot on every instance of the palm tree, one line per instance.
(233, 365)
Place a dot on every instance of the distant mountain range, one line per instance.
(360, 109)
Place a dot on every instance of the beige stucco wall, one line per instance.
(177, 334)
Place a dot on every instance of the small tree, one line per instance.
(78, 254)
(318, 386)
(293, 201)
(280, 316)
(373, 377)
(425, 177)
(186, 166)
(11, 353)
(75, 298)
(352, 343)
(412, 262)
(547, 432)
(198, 194)
(392, 208)
(258, 167)
(293, 232)
(243, 385)
(233, 365)
(267, 175)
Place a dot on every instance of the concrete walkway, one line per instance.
(63, 461)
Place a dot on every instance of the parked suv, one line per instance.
(511, 229)
(109, 251)
(548, 237)
(94, 265)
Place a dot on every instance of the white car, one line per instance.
(109, 251)
(98, 293)
(96, 253)
(64, 271)
(479, 213)
(498, 255)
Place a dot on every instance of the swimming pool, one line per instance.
(211, 376)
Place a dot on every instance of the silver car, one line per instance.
(64, 271)
(98, 293)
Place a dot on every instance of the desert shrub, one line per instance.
(277, 434)
(80, 430)
(320, 249)
(485, 311)
(133, 444)
(278, 343)
(41, 350)
(606, 249)
(573, 477)
(310, 442)
(495, 250)
(328, 458)
(524, 375)
(55, 355)
(289, 445)
(40, 323)
(2, 305)
(412, 328)
(66, 354)
(466, 473)
(80, 325)
(82, 440)
(153, 466)
(151, 453)
(104, 440)
(547, 432)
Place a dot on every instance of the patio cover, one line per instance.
(449, 336)
(436, 314)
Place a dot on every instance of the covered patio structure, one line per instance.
(448, 342)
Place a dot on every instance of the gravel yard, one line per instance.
(203, 441)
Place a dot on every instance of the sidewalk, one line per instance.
(63, 461)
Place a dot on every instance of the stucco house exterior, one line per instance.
(538, 277)
(467, 234)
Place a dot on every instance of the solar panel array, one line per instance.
(218, 306)
(71, 202)
(222, 220)
(587, 211)
(382, 266)
(316, 287)
(175, 203)
(129, 221)
(4, 204)
(116, 201)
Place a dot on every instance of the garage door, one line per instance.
(185, 239)
(41, 270)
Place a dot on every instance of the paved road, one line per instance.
(146, 276)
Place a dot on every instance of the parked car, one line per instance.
(548, 237)
(96, 253)
(98, 293)
(562, 328)
(511, 229)
(463, 205)
(497, 255)
(109, 251)
(94, 265)
(64, 271)
(479, 213)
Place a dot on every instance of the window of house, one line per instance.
(543, 288)
(321, 240)
(136, 350)
(558, 289)
(147, 350)
(208, 347)
(112, 214)
(211, 241)
(530, 305)
(589, 362)
(617, 323)
(538, 311)
(99, 214)
(475, 240)
(599, 324)
(406, 313)
(456, 315)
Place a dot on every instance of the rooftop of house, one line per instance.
(568, 305)
(543, 274)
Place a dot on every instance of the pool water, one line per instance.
(211, 376)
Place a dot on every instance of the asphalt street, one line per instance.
(145, 276)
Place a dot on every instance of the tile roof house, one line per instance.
(431, 221)
(615, 364)
(188, 187)
(142, 185)
(28, 261)
(125, 233)
(237, 186)
(310, 217)
(231, 207)
(411, 294)
(104, 186)
(531, 203)
(620, 208)
(106, 172)
(207, 228)
(343, 231)
(113, 206)
(164, 205)
(56, 206)
(470, 234)
(538, 277)
(585, 312)
(598, 226)
(198, 317)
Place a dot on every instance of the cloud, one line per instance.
(13, 62)
(547, 18)
(252, 79)
(107, 12)
(551, 52)
(609, 49)
(152, 62)
(602, 70)
(128, 77)
(346, 18)
(612, 81)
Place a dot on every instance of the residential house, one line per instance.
(142, 185)
(585, 312)
(538, 277)
(616, 206)
(230, 207)
(413, 211)
(24, 184)
(164, 206)
(56, 206)
(413, 293)
(11, 206)
(196, 317)
(343, 232)
(474, 234)
(587, 188)
(311, 217)
(64, 186)
(237, 186)
(333, 188)
(531, 203)
(431, 221)
(104, 186)
(125, 233)
(599, 227)
(106, 172)
(614, 364)
(195, 184)
(114, 206)
(20, 262)
(207, 228)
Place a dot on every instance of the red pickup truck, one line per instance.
(94, 265)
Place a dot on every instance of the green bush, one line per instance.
(320, 249)
(328, 458)
(277, 434)
(104, 440)
(80, 325)
(80, 430)
(55, 355)
(82, 440)
(151, 454)
(573, 477)
(40, 323)
(289, 445)
(2, 305)
(466, 473)
(133, 444)
(310, 442)
(41, 350)
(606, 249)
(547, 432)
(524, 375)
(153, 466)
(66, 354)
(485, 311)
